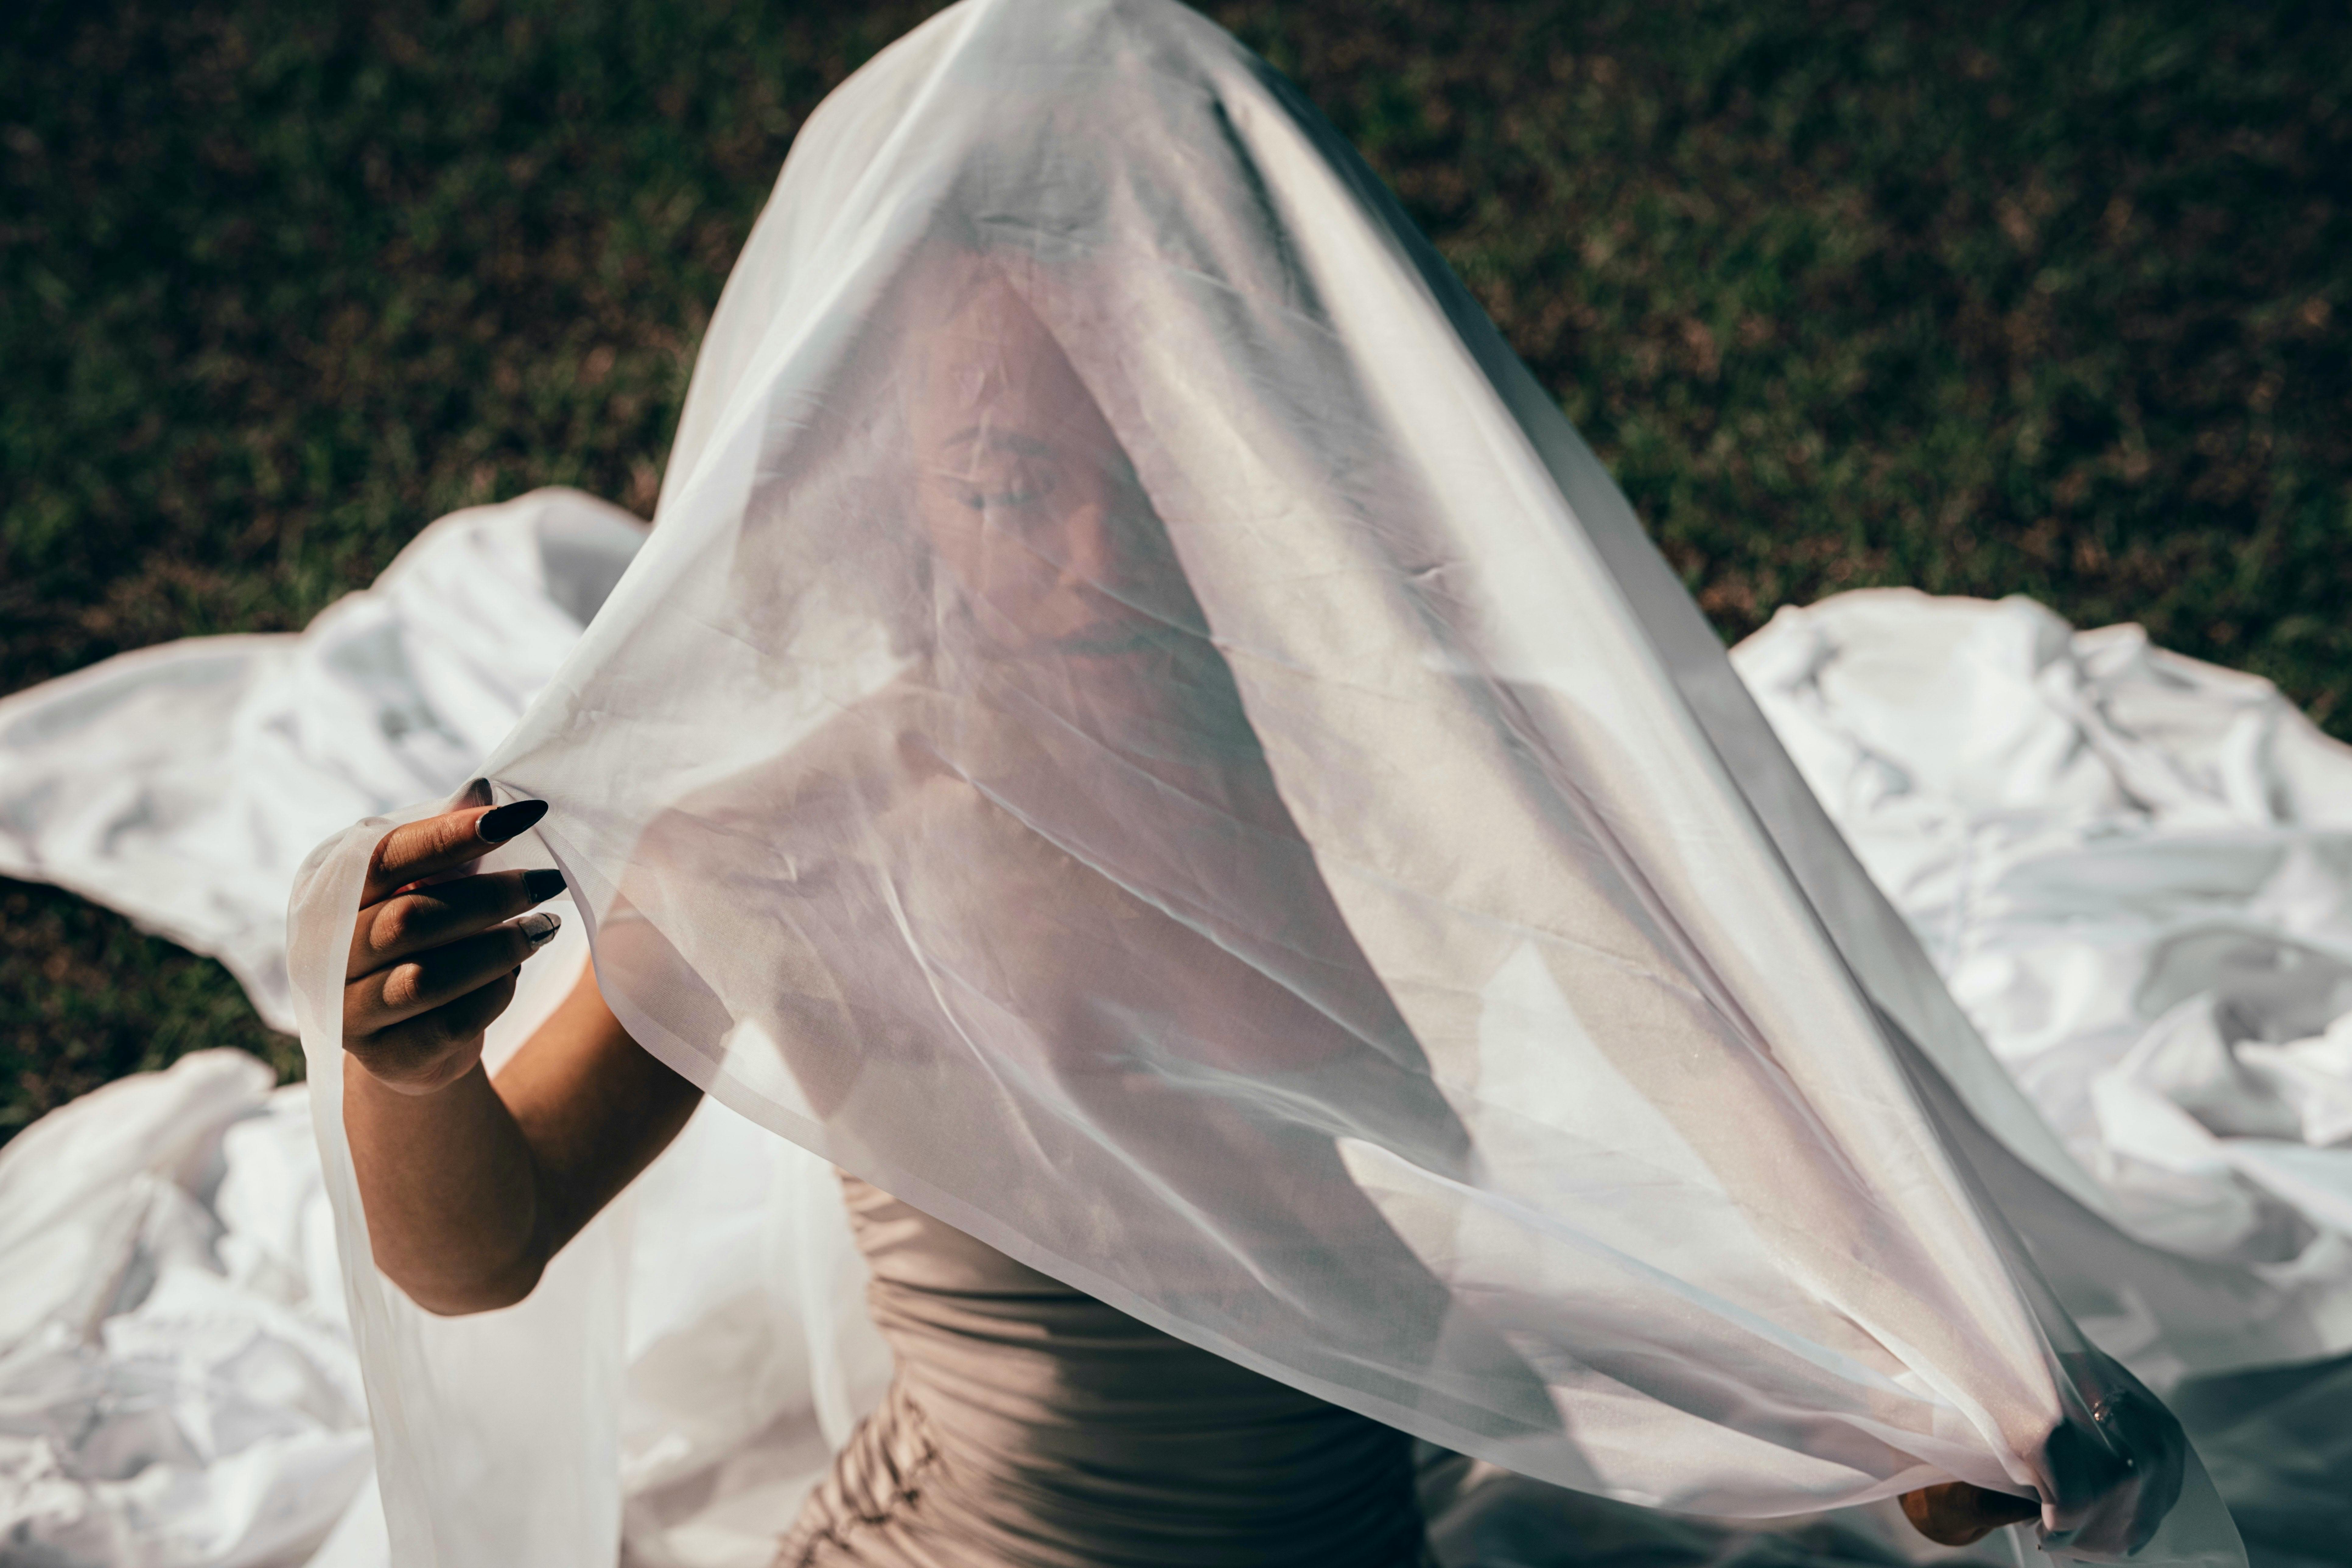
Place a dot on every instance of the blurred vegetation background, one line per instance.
(2046, 298)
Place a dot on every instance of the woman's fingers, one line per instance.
(435, 1050)
(376, 1001)
(427, 847)
(432, 967)
(412, 922)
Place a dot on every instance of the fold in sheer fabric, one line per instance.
(1141, 731)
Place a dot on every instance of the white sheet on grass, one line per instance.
(177, 1387)
(2134, 871)
(183, 783)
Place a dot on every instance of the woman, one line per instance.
(1081, 749)
(1118, 1444)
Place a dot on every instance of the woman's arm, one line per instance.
(471, 1186)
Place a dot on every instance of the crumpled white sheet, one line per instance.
(177, 1387)
(177, 1384)
(2133, 868)
(183, 783)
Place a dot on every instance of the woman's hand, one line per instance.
(1956, 1514)
(470, 1186)
(433, 962)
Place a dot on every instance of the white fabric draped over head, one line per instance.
(1141, 731)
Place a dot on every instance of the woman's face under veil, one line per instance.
(1021, 486)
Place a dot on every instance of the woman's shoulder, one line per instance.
(855, 767)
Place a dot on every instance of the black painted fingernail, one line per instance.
(540, 927)
(498, 827)
(543, 885)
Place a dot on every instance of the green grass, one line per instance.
(2047, 298)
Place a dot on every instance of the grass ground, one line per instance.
(2048, 298)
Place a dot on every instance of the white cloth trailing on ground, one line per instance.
(177, 1387)
(2135, 872)
(183, 783)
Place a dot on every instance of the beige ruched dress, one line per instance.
(1030, 1424)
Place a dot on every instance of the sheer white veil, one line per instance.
(1139, 730)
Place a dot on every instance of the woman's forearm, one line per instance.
(451, 1191)
(471, 1189)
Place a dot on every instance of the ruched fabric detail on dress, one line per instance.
(1031, 1425)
